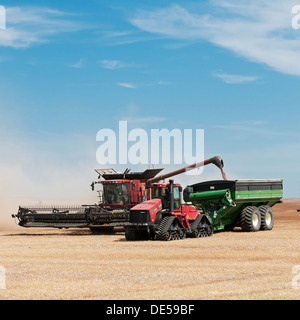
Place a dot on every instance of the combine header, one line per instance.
(120, 192)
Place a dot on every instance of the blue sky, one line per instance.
(71, 68)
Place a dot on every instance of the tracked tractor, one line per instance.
(165, 218)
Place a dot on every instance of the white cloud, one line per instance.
(258, 30)
(235, 78)
(118, 38)
(29, 25)
(259, 127)
(79, 64)
(150, 84)
(110, 64)
(126, 85)
(117, 64)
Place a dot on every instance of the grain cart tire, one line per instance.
(229, 227)
(267, 218)
(250, 219)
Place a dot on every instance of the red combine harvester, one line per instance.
(165, 217)
(120, 193)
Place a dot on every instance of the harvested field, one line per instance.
(73, 264)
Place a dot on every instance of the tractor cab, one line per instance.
(162, 191)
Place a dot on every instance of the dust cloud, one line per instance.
(23, 188)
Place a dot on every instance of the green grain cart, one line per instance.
(244, 203)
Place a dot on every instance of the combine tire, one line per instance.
(250, 219)
(267, 218)
(170, 229)
(130, 234)
(101, 230)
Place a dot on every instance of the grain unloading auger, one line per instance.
(217, 161)
(120, 192)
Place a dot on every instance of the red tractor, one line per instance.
(165, 217)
